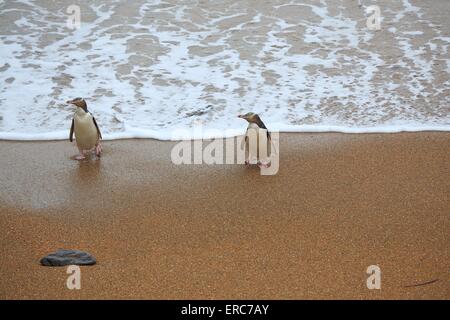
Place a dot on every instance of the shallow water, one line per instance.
(147, 68)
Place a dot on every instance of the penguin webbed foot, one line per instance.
(263, 164)
(98, 150)
(80, 157)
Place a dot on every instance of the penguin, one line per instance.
(255, 123)
(87, 132)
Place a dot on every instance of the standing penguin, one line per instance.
(87, 132)
(255, 123)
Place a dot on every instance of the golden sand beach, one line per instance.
(338, 204)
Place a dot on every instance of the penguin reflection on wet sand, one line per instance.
(255, 123)
(87, 132)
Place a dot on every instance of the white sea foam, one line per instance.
(148, 68)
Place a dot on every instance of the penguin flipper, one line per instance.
(98, 129)
(259, 122)
(71, 131)
(244, 141)
(262, 126)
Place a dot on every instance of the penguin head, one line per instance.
(79, 102)
(249, 116)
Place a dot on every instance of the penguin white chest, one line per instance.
(253, 126)
(252, 143)
(253, 131)
(86, 134)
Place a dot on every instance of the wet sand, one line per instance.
(159, 231)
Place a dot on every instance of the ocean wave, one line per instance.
(149, 68)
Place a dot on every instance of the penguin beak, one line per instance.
(69, 101)
(241, 116)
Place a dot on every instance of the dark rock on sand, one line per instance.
(64, 257)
